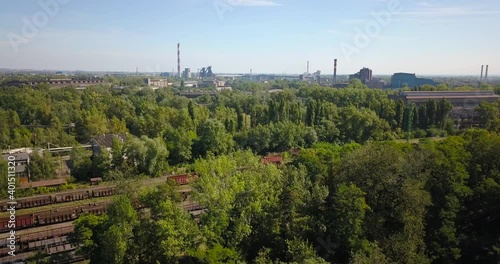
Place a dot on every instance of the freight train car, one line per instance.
(103, 192)
(53, 216)
(4, 251)
(20, 222)
(27, 202)
(45, 234)
(183, 179)
(42, 244)
(66, 197)
(96, 209)
(72, 196)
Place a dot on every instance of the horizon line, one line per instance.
(243, 73)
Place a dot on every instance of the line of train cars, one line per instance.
(54, 216)
(76, 195)
(38, 239)
(66, 197)
(69, 213)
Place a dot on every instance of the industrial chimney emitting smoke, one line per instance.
(335, 71)
(179, 59)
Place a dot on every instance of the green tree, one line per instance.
(361, 125)
(213, 138)
(42, 167)
(218, 254)
(348, 211)
(447, 185)
(86, 233)
(156, 156)
(394, 187)
(375, 256)
(180, 145)
(432, 112)
(92, 123)
(444, 108)
(107, 239)
(489, 115)
(400, 111)
(191, 110)
(239, 202)
(147, 155)
(479, 221)
(168, 235)
(81, 163)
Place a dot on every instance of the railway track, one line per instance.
(46, 220)
(85, 193)
(28, 242)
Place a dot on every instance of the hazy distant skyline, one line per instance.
(438, 37)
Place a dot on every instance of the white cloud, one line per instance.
(447, 12)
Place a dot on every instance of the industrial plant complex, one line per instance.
(204, 77)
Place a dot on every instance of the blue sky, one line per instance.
(268, 36)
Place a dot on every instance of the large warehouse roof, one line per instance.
(457, 98)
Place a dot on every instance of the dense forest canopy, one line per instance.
(64, 117)
(382, 202)
(353, 194)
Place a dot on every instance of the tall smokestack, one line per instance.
(179, 59)
(335, 71)
(307, 67)
(486, 74)
(482, 70)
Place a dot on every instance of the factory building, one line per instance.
(464, 102)
(365, 75)
(399, 80)
(376, 84)
(166, 74)
(156, 82)
(22, 161)
(186, 74)
(460, 99)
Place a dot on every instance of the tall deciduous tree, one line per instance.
(42, 166)
(213, 138)
(347, 212)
